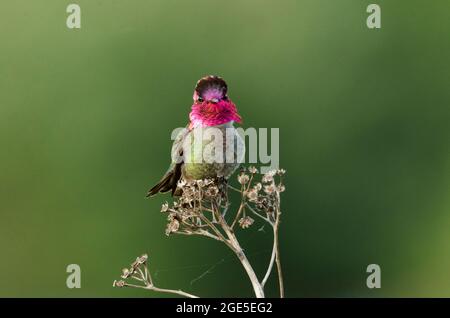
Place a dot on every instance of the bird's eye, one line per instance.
(199, 99)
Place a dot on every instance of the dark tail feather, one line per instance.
(168, 182)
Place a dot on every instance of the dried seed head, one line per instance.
(269, 189)
(143, 258)
(165, 207)
(134, 266)
(252, 195)
(212, 191)
(172, 227)
(245, 222)
(268, 176)
(188, 192)
(119, 283)
(125, 273)
(243, 178)
(252, 170)
(200, 183)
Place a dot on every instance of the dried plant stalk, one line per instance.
(201, 210)
(139, 272)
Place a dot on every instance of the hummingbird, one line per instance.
(212, 110)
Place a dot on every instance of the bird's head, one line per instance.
(211, 103)
(211, 89)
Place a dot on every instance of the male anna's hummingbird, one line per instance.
(212, 110)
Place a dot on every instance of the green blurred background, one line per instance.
(86, 117)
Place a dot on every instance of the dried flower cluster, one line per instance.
(139, 272)
(193, 210)
(261, 198)
(201, 210)
(134, 271)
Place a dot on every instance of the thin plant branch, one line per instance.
(276, 243)
(161, 290)
(258, 289)
(234, 189)
(272, 260)
(259, 215)
(238, 214)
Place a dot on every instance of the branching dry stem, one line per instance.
(201, 211)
